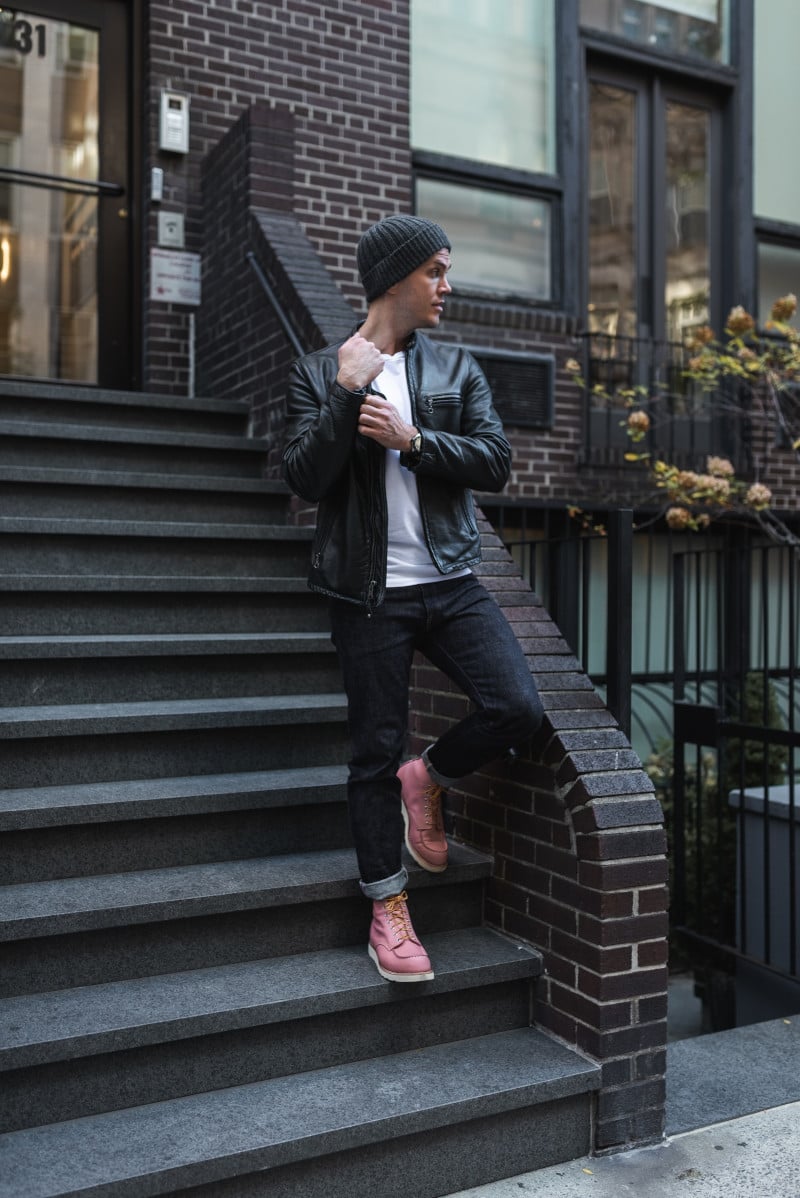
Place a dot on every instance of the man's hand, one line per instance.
(380, 421)
(359, 363)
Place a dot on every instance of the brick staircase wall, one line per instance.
(575, 829)
(577, 838)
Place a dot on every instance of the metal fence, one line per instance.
(694, 642)
(732, 799)
(686, 422)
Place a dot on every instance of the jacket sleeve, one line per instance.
(478, 456)
(321, 425)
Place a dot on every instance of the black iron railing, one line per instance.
(687, 423)
(694, 639)
(734, 794)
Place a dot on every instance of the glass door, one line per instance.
(652, 170)
(653, 175)
(64, 193)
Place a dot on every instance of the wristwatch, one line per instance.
(415, 446)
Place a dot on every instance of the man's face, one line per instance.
(420, 296)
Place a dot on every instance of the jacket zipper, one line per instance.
(376, 465)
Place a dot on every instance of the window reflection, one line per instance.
(778, 275)
(483, 88)
(688, 268)
(501, 242)
(612, 229)
(693, 27)
(48, 237)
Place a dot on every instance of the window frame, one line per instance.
(461, 172)
(784, 234)
(531, 185)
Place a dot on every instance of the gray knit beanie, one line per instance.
(393, 248)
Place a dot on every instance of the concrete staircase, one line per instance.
(187, 1004)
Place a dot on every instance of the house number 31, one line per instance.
(24, 37)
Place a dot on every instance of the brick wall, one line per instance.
(337, 73)
(338, 70)
(335, 76)
(579, 862)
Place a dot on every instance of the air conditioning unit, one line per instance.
(523, 385)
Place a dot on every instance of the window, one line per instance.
(776, 172)
(483, 134)
(778, 275)
(650, 264)
(696, 28)
(501, 242)
(654, 256)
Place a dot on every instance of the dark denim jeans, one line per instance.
(460, 629)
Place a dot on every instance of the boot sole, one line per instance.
(397, 977)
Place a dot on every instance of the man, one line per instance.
(389, 432)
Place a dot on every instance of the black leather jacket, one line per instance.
(327, 461)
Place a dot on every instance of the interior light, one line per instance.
(5, 260)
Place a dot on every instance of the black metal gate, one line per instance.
(732, 807)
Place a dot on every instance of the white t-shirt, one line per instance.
(408, 561)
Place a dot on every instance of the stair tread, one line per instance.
(234, 1131)
(93, 433)
(144, 479)
(152, 582)
(195, 529)
(159, 644)
(75, 392)
(81, 719)
(65, 1024)
(91, 802)
(108, 900)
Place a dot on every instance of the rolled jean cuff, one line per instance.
(385, 887)
(436, 777)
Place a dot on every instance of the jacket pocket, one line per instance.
(468, 511)
(323, 535)
(442, 411)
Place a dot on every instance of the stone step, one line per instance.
(469, 1087)
(112, 900)
(168, 842)
(97, 742)
(56, 445)
(93, 604)
(70, 403)
(89, 930)
(149, 1039)
(43, 492)
(93, 719)
(121, 548)
(67, 831)
(63, 1025)
(50, 671)
(162, 798)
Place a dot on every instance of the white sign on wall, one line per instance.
(175, 276)
(170, 230)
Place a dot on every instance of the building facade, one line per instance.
(612, 175)
(182, 188)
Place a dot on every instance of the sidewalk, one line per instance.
(733, 1127)
(755, 1156)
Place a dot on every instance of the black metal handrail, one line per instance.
(291, 335)
(12, 174)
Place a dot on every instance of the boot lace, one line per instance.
(433, 806)
(399, 918)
